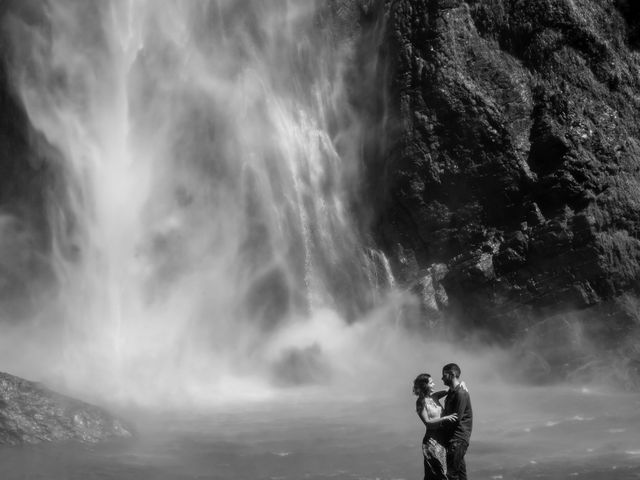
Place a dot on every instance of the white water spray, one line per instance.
(200, 213)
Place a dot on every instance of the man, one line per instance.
(456, 434)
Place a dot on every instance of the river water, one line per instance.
(519, 433)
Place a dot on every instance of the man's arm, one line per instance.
(436, 422)
(432, 422)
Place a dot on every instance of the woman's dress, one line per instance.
(435, 455)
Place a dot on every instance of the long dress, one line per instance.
(434, 453)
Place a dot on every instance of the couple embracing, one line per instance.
(448, 430)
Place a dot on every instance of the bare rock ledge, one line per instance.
(31, 413)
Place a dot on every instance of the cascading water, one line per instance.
(205, 161)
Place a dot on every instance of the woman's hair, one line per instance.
(421, 382)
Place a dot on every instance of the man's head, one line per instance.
(451, 374)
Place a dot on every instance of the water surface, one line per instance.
(525, 433)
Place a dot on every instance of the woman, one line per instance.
(429, 410)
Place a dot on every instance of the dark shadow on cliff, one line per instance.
(512, 184)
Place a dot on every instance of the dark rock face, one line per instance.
(30, 413)
(515, 162)
(23, 179)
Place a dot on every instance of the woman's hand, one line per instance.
(464, 386)
(450, 418)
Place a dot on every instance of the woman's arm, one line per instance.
(443, 393)
(440, 394)
(432, 422)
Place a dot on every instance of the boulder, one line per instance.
(31, 413)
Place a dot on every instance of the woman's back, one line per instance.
(432, 407)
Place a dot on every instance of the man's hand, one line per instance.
(450, 418)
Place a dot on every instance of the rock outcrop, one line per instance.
(31, 413)
(514, 161)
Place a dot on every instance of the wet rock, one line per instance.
(31, 413)
(302, 366)
(432, 294)
(517, 122)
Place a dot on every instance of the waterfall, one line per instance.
(205, 164)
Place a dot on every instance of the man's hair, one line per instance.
(453, 368)
(421, 382)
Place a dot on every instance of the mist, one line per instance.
(202, 164)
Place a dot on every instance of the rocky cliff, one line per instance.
(512, 171)
(31, 413)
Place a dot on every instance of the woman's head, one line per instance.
(423, 384)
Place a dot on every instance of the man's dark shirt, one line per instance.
(458, 402)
